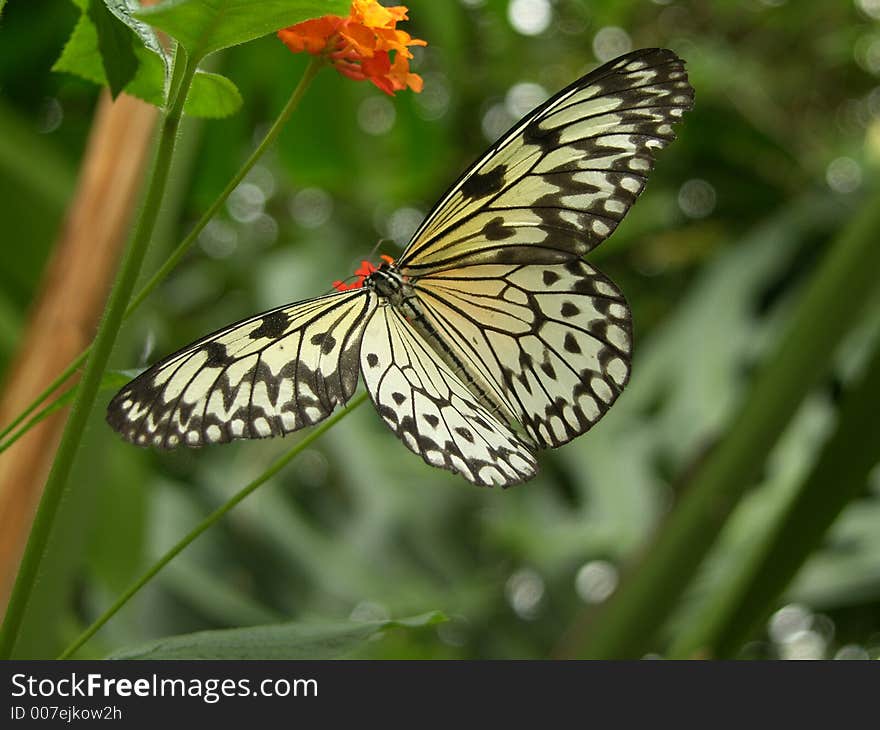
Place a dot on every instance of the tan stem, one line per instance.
(66, 311)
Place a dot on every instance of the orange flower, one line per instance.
(360, 45)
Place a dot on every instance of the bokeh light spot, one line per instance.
(788, 621)
(524, 591)
(265, 229)
(51, 115)
(843, 175)
(262, 177)
(852, 651)
(376, 115)
(610, 42)
(433, 102)
(402, 223)
(529, 17)
(246, 203)
(496, 121)
(521, 98)
(696, 198)
(219, 239)
(596, 581)
(311, 207)
(807, 644)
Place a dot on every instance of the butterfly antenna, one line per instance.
(378, 244)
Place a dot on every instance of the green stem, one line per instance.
(828, 309)
(55, 405)
(178, 253)
(56, 485)
(211, 519)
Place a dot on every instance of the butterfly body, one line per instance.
(489, 337)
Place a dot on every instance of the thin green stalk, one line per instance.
(55, 405)
(210, 520)
(178, 253)
(41, 398)
(56, 485)
(839, 476)
(828, 309)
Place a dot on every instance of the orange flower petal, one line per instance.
(359, 45)
(361, 39)
(374, 15)
(310, 36)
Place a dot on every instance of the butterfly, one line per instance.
(489, 338)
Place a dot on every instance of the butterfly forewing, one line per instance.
(559, 182)
(432, 411)
(265, 376)
(551, 343)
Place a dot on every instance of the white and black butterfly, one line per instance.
(489, 337)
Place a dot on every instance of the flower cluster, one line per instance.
(359, 46)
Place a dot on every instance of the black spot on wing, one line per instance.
(571, 345)
(431, 419)
(272, 326)
(480, 185)
(550, 277)
(325, 340)
(216, 353)
(372, 359)
(535, 134)
(496, 230)
(569, 309)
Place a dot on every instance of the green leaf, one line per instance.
(749, 596)
(319, 640)
(206, 26)
(123, 10)
(211, 95)
(80, 55)
(115, 45)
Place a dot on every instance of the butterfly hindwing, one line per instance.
(264, 376)
(432, 411)
(551, 344)
(558, 183)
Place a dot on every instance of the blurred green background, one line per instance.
(779, 153)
